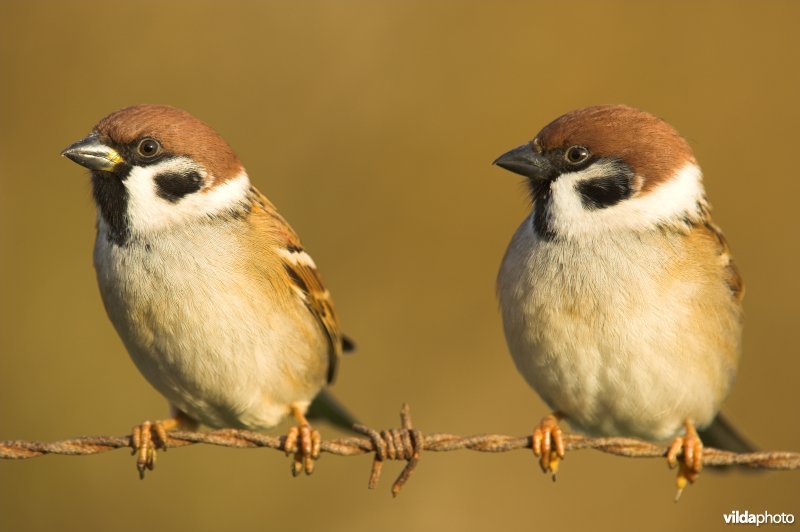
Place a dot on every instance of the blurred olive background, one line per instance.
(372, 126)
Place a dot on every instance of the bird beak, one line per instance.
(526, 162)
(93, 154)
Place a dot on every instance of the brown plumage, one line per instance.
(169, 125)
(732, 276)
(304, 277)
(621, 131)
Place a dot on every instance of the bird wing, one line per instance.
(733, 278)
(306, 281)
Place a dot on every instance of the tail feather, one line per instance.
(325, 406)
(348, 345)
(721, 435)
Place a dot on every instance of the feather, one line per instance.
(305, 280)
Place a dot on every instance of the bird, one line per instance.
(215, 298)
(620, 300)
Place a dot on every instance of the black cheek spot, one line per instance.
(605, 191)
(173, 187)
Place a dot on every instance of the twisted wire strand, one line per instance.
(404, 444)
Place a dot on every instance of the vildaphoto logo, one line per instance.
(764, 518)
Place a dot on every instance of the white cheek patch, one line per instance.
(150, 212)
(673, 199)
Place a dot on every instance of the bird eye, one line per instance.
(576, 155)
(148, 147)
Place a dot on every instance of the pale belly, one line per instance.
(613, 348)
(212, 345)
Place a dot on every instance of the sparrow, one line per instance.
(621, 304)
(217, 302)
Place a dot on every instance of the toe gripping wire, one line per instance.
(405, 443)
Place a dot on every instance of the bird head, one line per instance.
(608, 168)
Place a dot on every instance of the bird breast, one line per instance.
(629, 334)
(207, 324)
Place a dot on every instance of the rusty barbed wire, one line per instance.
(403, 444)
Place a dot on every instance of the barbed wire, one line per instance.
(405, 443)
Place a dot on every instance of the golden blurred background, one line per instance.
(372, 126)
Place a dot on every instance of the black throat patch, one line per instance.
(111, 198)
(542, 200)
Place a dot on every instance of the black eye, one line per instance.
(148, 147)
(576, 155)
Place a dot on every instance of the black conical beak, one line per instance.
(526, 162)
(93, 154)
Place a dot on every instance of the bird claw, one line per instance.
(548, 444)
(304, 442)
(690, 448)
(145, 440)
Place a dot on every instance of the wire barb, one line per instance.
(405, 443)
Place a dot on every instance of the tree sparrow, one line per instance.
(621, 303)
(210, 289)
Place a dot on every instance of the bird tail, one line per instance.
(348, 345)
(326, 407)
(721, 435)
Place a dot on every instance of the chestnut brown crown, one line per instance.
(179, 133)
(653, 149)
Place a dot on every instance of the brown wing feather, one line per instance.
(733, 277)
(306, 279)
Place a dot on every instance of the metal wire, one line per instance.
(405, 443)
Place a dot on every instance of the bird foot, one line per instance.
(304, 442)
(152, 435)
(690, 448)
(146, 439)
(548, 443)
